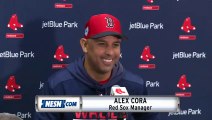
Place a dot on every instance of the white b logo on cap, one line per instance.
(110, 23)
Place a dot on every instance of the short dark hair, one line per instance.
(8, 116)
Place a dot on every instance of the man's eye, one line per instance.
(116, 44)
(101, 43)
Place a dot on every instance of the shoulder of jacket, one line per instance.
(59, 77)
(131, 77)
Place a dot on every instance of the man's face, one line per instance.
(103, 53)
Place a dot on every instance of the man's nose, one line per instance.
(109, 50)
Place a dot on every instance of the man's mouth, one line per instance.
(107, 60)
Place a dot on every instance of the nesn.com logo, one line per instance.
(56, 104)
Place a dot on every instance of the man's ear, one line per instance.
(84, 44)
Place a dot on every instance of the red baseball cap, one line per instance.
(103, 25)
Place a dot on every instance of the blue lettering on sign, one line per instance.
(56, 104)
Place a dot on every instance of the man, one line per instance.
(96, 72)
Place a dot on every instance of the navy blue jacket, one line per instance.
(74, 80)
